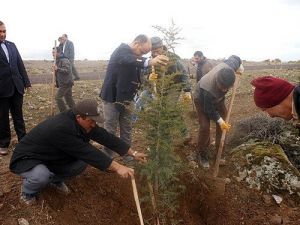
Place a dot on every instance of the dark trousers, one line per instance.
(41, 175)
(13, 105)
(66, 93)
(204, 127)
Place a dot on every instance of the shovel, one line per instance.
(136, 198)
(222, 141)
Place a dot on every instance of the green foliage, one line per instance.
(163, 125)
(164, 128)
(170, 35)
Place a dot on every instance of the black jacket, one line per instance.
(123, 73)
(12, 74)
(61, 140)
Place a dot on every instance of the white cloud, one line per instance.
(253, 29)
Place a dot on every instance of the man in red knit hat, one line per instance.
(277, 97)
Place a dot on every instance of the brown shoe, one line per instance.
(3, 151)
(61, 187)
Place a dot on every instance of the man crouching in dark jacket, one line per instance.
(58, 148)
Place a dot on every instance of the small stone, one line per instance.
(276, 220)
(267, 199)
(193, 164)
(242, 175)
(6, 189)
(277, 199)
(227, 180)
(22, 221)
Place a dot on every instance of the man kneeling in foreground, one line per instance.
(58, 148)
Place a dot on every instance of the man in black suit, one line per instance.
(13, 81)
(69, 52)
(121, 83)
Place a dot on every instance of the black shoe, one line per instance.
(202, 159)
(61, 187)
(77, 78)
(28, 199)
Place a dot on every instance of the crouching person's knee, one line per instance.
(36, 178)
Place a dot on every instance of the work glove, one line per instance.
(153, 76)
(240, 70)
(187, 97)
(224, 125)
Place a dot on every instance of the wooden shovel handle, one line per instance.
(222, 141)
(136, 199)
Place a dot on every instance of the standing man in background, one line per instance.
(69, 52)
(122, 80)
(64, 80)
(13, 81)
(203, 64)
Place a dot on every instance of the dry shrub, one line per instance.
(260, 127)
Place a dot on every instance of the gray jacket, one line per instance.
(209, 83)
(63, 73)
(69, 51)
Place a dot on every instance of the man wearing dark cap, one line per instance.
(277, 97)
(203, 64)
(174, 68)
(179, 80)
(209, 99)
(59, 148)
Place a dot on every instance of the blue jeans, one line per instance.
(141, 102)
(35, 179)
(116, 115)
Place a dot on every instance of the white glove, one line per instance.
(241, 69)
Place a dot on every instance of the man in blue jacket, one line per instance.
(122, 80)
(13, 81)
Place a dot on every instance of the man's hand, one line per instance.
(153, 76)
(28, 89)
(139, 156)
(121, 170)
(224, 125)
(159, 60)
(54, 67)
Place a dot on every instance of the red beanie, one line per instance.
(270, 91)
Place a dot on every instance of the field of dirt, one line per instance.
(101, 198)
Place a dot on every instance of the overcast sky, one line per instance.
(253, 29)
